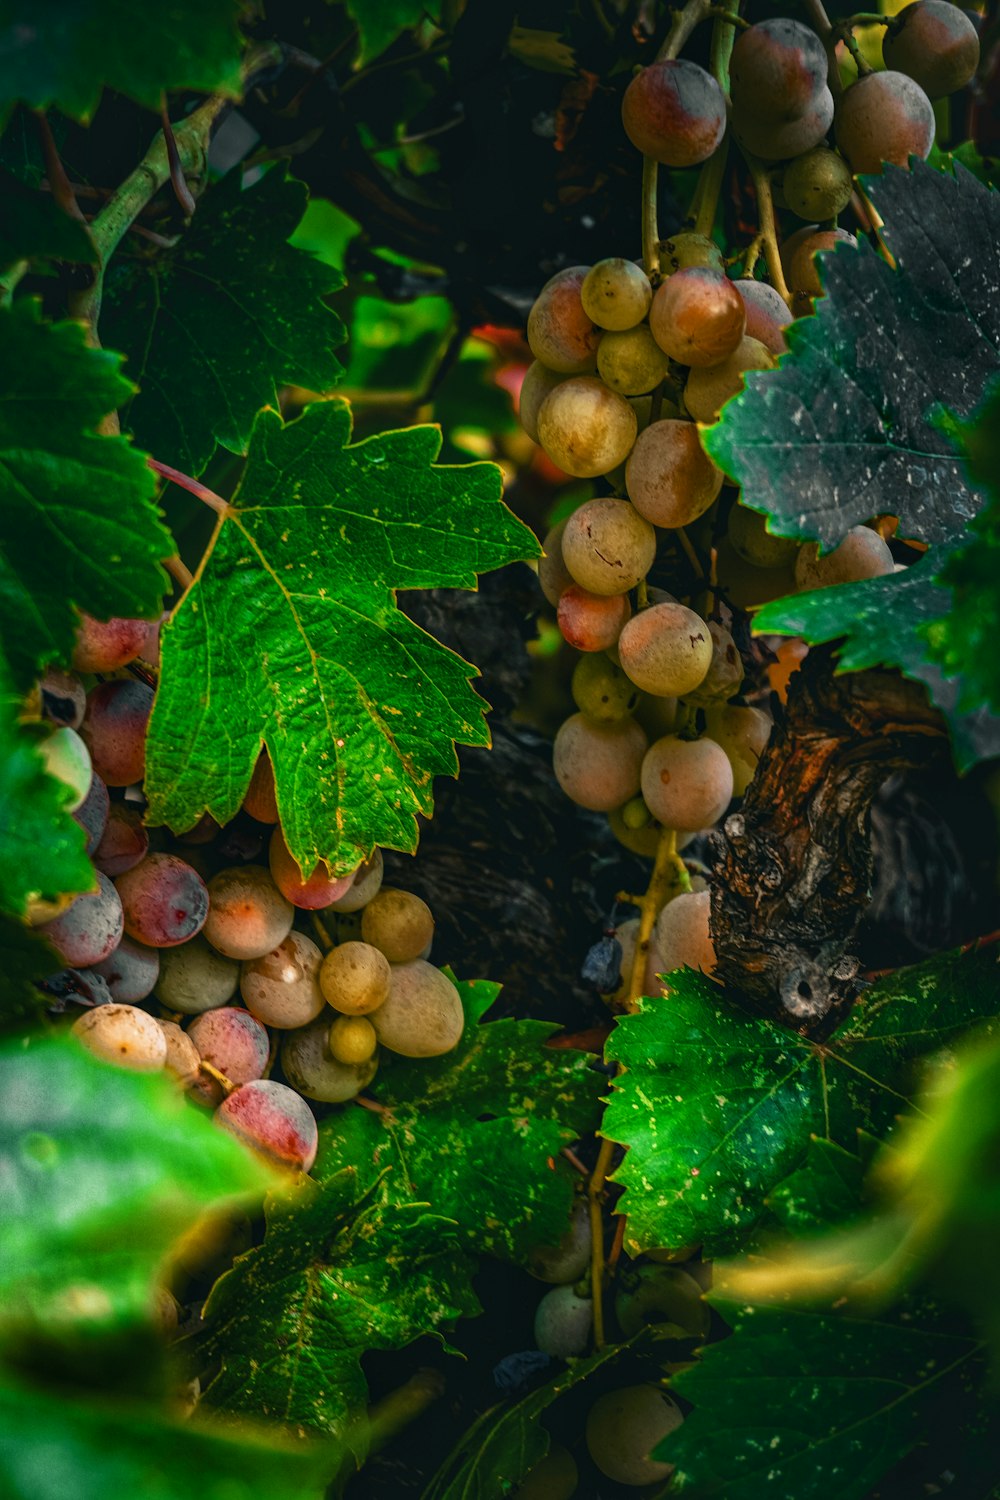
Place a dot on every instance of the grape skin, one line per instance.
(114, 727)
(681, 937)
(123, 1035)
(563, 1321)
(689, 249)
(319, 890)
(698, 317)
(747, 586)
(768, 315)
(777, 69)
(585, 428)
(743, 734)
(248, 916)
(780, 142)
(560, 334)
(818, 184)
(687, 784)
(601, 690)
(234, 1042)
(398, 924)
(130, 972)
(367, 883)
(272, 1120)
(631, 363)
(862, 554)
(107, 645)
(312, 1071)
(165, 901)
(884, 117)
(623, 1428)
(670, 478)
(261, 799)
(353, 1040)
(66, 758)
(125, 841)
(748, 533)
(597, 765)
(195, 978)
(616, 294)
(608, 546)
(538, 381)
(591, 622)
(93, 813)
(725, 672)
(666, 650)
(422, 1014)
(569, 1257)
(675, 112)
(282, 988)
(553, 575)
(799, 256)
(182, 1055)
(936, 44)
(707, 391)
(354, 978)
(90, 928)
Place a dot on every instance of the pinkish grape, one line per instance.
(273, 1120)
(125, 841)
(106, 645)
(235, 1044)
(89, 929)
(164, 899)
(114, 727)
(130, 972)
(313, 894)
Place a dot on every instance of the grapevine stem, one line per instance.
(650, 221)
(182, 192)
(401, 1407)
(709, 187)
(193, 486)
(225, 1083)
(59, 183)
(767, 228)
(685, 545)
(179, 572)
(816, 11)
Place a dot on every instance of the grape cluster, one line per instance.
(191, 962)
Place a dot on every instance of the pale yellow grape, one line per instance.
(183, 1058)
(366, 884)
(559, 332)
(681, 936)
(123, 1035)
(601, 690)
(607, 546)
(352, 1040)
(642, 840)
(742, 732)
(707, 391)
(725, 673)
(309, 1067)
(422, 1016)
(586, 428)
(670, 478)
(354, 978)
(666, 649)
(398, 924)
(597, 765)
(862, 554)
(616, 294)
(632, 362)
(553, 574)
(687, 784)
(282, 988)
(818, 185)
(538, 381)
(623, 1428)
(195, 978)
(689, 249)
(756, 545)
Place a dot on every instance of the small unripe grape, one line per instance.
(398, 924)
(182, 1055)
(698, 316)
(64, 698)
(742, 733)
(125, 841)
(67, 759)
(114, 727)
(90, 928)
(632, 362)
(670, 478)
(777, 69)
(261, 800)
(597, 765)
(623, 1428)
(317, 891)
(935, 43)
(93, 813)
(367, 883)
(799, 257)
(616, 294)
(130, 972)
(884, 117)
(535, 386)
(591, 622)
(608, 546)
(749, 535)
(569, 1257)
(772, 141)
(559, 332)
(352, 1040)
(553, 574)
(236, 1045)
(768, 314)
(563, 1322)
(818, 185)
(602, 691)
(689, 249)
(107, 645)
(282, 988)
(725, 672)
(681, 937)
(642, 840)
(422, 1014)
(247, 916)
(862, 554)
(687, 784)
(554, 1477)
(586, 428)
(309, 1067)
(272, 1120)
(165, 901)
(123, 1035)
(675, 112)
(666, 649)
(195, 978)
(707, 391)
(355, 978)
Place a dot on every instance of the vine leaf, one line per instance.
(212, 327)
(27, 957)
(824, 1189)
(717, 1108)
(844, 429)
(64, 56)
(35, 225)
(380, 22)
(291, 636)
(78, 524)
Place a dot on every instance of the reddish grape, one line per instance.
(675, 112)
(165, 901)
(698, 317)
(130, 972)
(560, 334)
(92, 814)
(106, 645)
(670, 478)
(273, 1120)
(90, 928)
(777, 69)
(768, 314)
(935, 43)
(261, 801)
(125, 841)
(591, 622)
(884, 117)
(236, 1045)
(798, 256)
(114, 727)
(321, 888)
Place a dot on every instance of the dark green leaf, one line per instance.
(824, 1190)
(380, 22)
(985, 168)
(26, 958)
(292, 637)
(33, 225)
(396, 346)
(717, 1107)
(214, 326)
(843, 430)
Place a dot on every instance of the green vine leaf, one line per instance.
(825, 1189)
(717, 1108)
(291, 636)
(27, 957)
(79, 524)
(35, 226)
(64, 55)
(844, 429)
(380, 22)
(212, 327)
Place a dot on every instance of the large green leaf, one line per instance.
(291, 636)
(212, 327)
(843, 430)
(476, 1133)
(717, 1107)
(33, 224)
(63, 52)
(812, 1405)
(27, 957)
(380, 22)
(825, 1189)
(78, 525)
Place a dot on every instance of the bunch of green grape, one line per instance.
(205, 962)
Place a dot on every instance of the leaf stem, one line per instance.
(650, 218)
(182, 192)
(179, 572)
(220, 1078)
(193, 486)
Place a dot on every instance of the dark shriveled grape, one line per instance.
(884, 117)
(936, 44)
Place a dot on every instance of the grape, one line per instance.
(247, 916)
(67, 759)
(90, 928)
(755, 544)
(623, 1428)
(130, 972)
(798, 257)
(862, 554)
(597, 765)
(309, 1067)
(85, 985)
(742, 733)
(93, 813)
(601, 690)
(616, 294)
(560, 334)
(666, 649)
(767, 312)
(586, 428)
(632, 362)
(772, 141)
(687, 784)
(663, 1295)
(234, 1042)
(355, 978)
(352, 1040)
(777, 69)
(689, 249)
(818, 185)
(64, 698)
(725, 672)
(643, 840)
(553, 574)
(535, 386)
(657, 714)
(317, 891)
(569, 1257)
(884, 117)
(674, 112)
(935, 43)
(554, 1477)
(260, 800)
(195, 978)
(707, 391)
(681, 936)
(106, 645)
(123, 1035)
(670, 478)
(698, 316)
(164, 899)
(114, 727)
(563, 1322)
(398, 924)
(591, 622)
(748, 586)
(367, 883)
(607, 546)
(125, 841)
(272, 1120)
(422, 1014)
(282, 988)
(627, 934)
(182, 1055)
